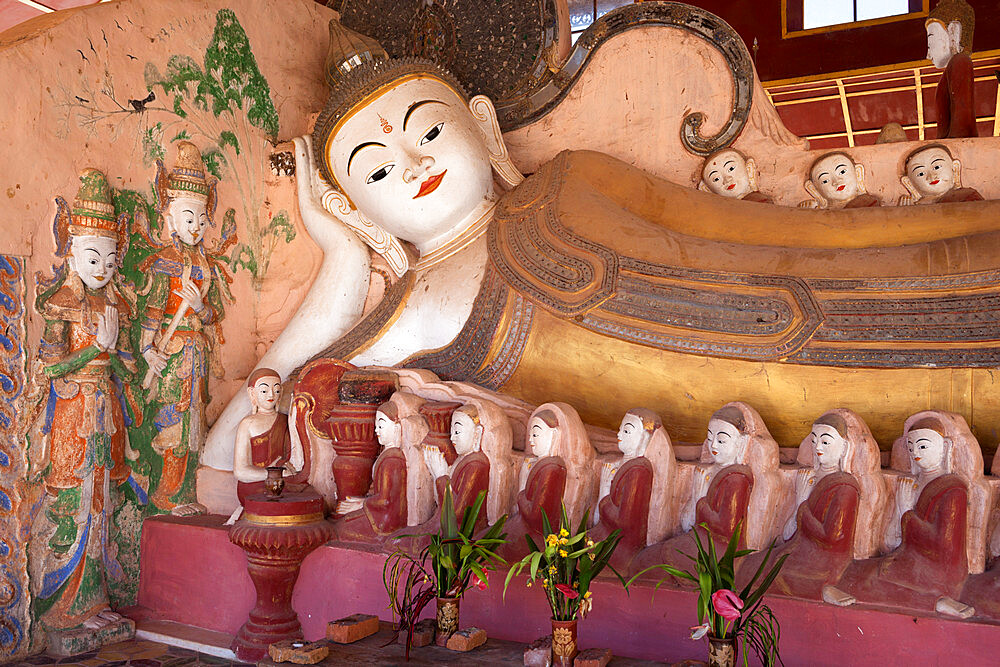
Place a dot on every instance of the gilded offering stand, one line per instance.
(277, 532)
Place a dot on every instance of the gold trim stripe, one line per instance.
(283, 519)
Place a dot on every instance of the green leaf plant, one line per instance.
(453, 561)
(721, 612)
(566, 564)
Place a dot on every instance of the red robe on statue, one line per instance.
(543, 492)
(273, 447)
(954, 100)
(384, 510)
(626, 507)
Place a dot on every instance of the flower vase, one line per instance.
(447, 618)
(721, 652)
(564, 646)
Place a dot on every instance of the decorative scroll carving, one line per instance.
(541, 99)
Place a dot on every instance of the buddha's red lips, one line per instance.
(935, 181)
(430, 185)
(841, 187)
(731, 186)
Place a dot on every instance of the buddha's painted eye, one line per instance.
(432, 134)
(732, 168)
(380, 173)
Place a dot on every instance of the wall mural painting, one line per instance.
(14, 622)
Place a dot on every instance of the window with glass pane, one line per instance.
(822, 13)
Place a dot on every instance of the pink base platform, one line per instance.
(192, 574)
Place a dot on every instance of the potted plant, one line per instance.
(725, 616)
(566, 564)
(444, 569)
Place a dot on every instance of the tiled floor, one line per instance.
(135, 653)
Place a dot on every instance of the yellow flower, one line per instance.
(552, 569)
(587, 595)
(563, 532)
(590, 542)
(592, 556)
(563, 553)
(563, 541)
(551, 540)
(529, 583)
(545, 583)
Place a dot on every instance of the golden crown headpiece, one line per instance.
(948, 11)
(357, 67)
(188, 178)
(93, 210)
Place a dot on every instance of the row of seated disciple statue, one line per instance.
(908, 536)
(930, 175)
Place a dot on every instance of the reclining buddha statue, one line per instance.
(593, 268)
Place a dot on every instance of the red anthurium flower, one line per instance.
(481, 584)
(727, 604)
(567, 591)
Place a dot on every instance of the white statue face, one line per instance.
(413, 161)
(726, 174)
(632, 437)
(725, 442)
(540, 437)
(828, 446)
(932, 172)
(188, 218)
(265, 393)
(927, 448)
(464, 433)
(386, 431)
(94, 259)
(940, 48)
(836, 179)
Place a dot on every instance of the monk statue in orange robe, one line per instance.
(933, 176)
(635, 493)
(836, 181)
(930, 566)
(728, 173)
(949, 43)
(263, 440)
(736, 448)
(559, 470)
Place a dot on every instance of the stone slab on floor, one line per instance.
(374, 650)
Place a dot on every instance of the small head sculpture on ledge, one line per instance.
(836, 181)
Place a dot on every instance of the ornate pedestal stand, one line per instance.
(276, 534)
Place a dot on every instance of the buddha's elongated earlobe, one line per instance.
(859, 171)
(703, 186)
(752, 174)
(956, 166)
(910, 187)
(485, 114)
(814, 193)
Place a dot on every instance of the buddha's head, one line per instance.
(829, 440)
(728, 435)
(636, 430)
(931, 171)
(928, 446)
(949, 31)
(185, 196)
(729, 174)
(466, 431)
(264, 390)
(401, 140)
(834, 180)
(388, 430)
(542, 432)
(93, 231)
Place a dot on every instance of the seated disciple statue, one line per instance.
(835, 181)
(949, 43)
(982, 591)
(637, 497)
(932, 176)
(385, 509)
(728, 174)
(263, 440)
(737, 450)
(559, 471)
(821, 534)
(930, 566)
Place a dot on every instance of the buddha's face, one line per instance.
(94, 259)
(188, 218)
(836, 179)
(927, 449)
(413, 160)
(828, 446)
(464, 433)
(726, 174)
(386, 430)
(940, 47)
(265, 393)
(725, 442)
(540, 437)
(632, 437)
(932, 171)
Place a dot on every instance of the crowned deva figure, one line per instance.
(78, 443)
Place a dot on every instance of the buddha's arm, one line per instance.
(243, 468)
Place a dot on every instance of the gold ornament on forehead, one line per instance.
(188, 178)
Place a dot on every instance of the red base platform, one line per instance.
(193, 574)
